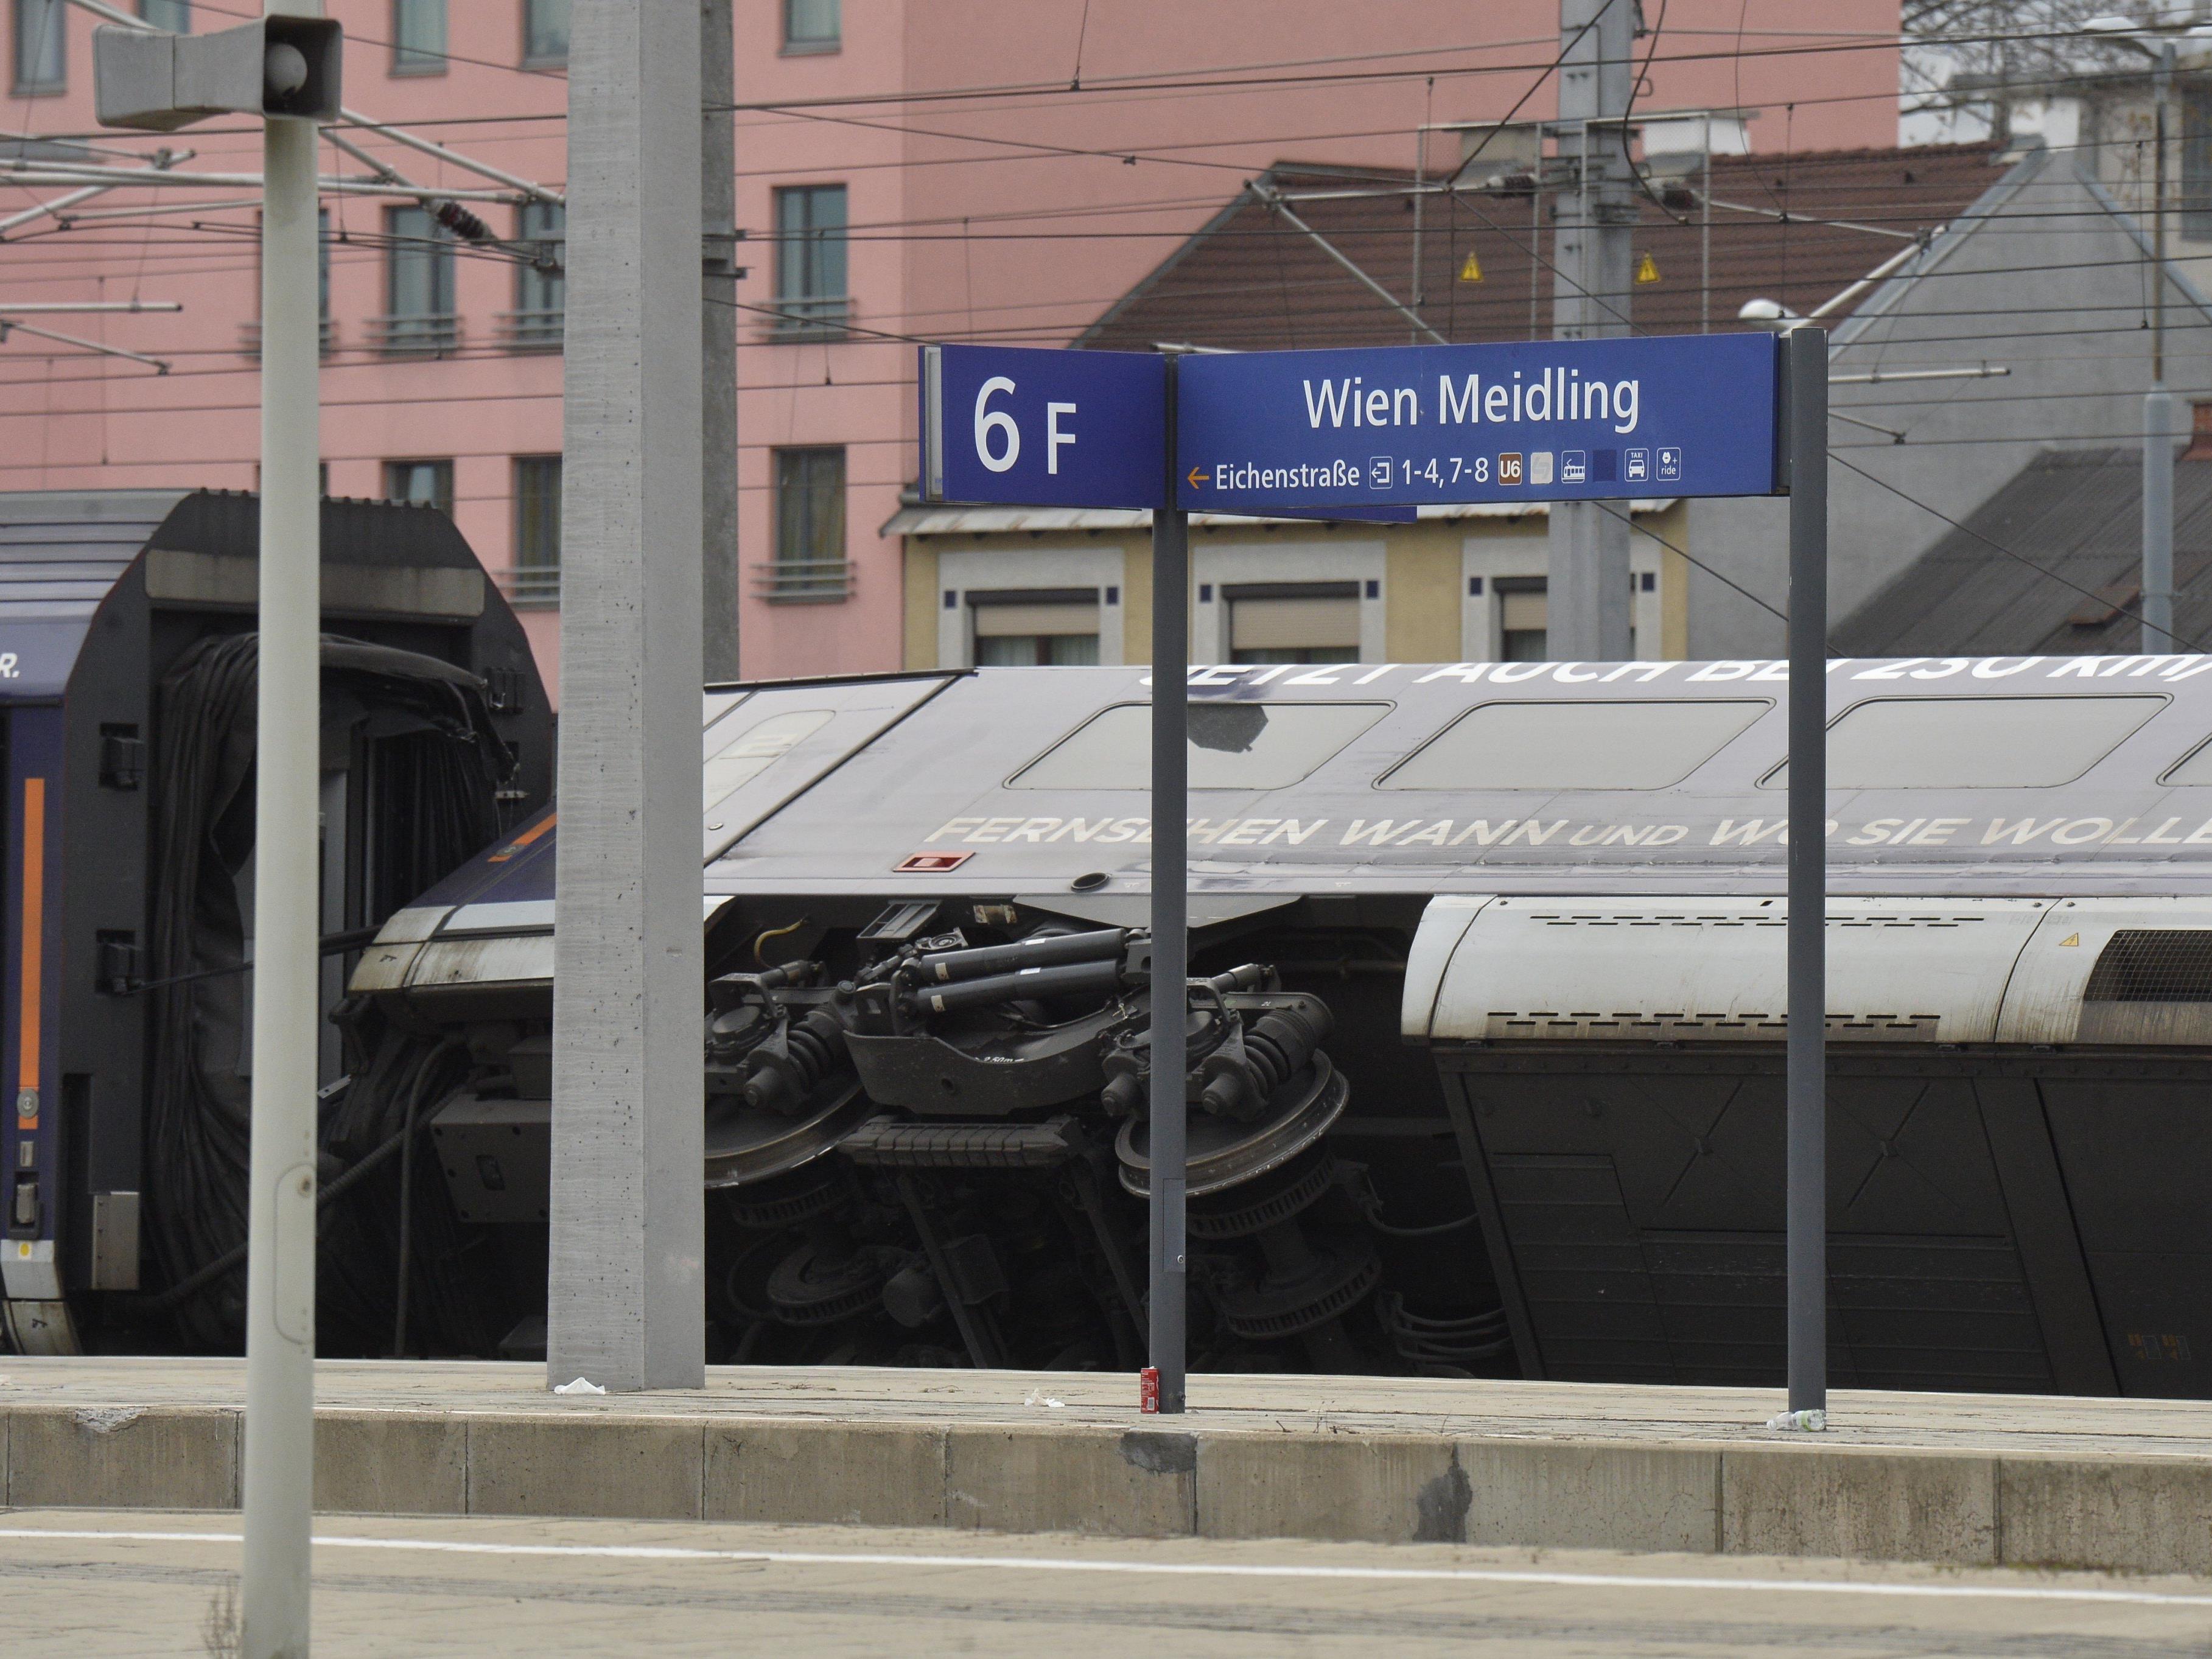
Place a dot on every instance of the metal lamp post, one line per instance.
(2158, 409)
(286, 69)
(2157, 584)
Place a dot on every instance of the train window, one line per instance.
(1575, 745)
(2195, 767)
(1233, 745)
(1974, 743)
(741, 761)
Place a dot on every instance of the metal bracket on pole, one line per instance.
(1275, 200)
(1805, 362)
(1171, 1278)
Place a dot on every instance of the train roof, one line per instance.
(2020, 775)
(60, 553)
(64, 553)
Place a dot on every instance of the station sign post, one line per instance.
(1380, 434)
(1024, 427)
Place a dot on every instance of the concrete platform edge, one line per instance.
(1782, 1499)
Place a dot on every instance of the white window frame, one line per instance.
(1216, 564)
(1481, 619)
(1037, 568)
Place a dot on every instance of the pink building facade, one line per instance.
(956, 169)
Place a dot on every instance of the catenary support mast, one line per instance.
(1588, 604)
(717, 335)
(626, 1305)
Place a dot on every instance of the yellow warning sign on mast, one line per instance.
(1472, 270)
(1647, 268)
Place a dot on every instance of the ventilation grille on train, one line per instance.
(2154, 964)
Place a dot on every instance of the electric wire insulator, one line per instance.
(462, 222)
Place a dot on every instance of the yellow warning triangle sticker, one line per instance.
(2070, 938)
(1647, 269)
(1472, 270)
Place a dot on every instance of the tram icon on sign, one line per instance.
(1670, 464)
(1574, 467)
(1635, 465)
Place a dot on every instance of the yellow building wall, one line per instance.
(1421, 593)
(1423, 581)
(921, 629)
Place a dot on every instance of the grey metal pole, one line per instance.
(1588, 603)
(1170, 926)
(718, 333)
(279, 1481)
(626, 1292)
(1807, 1225)
(2157, 635)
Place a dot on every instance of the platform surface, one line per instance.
(123, 1585)
(1962, 1480)
(2008, 1423)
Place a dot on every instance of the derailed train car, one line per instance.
(1486, 1015)
(127, 682)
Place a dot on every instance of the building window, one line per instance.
(1294, 622)
(810, 260)
(541, 282)
(1055, 627)
(811, 25)
(42, 46)
(1523, 624)
(418, 37)
(545, 33)
(809, 527)
(2197, 165)
(420, 484)
(418, 284)
(174, 16)
(536, 575)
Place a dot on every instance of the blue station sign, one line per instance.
(1017, 425)
(1267, 432)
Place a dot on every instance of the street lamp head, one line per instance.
(280, 65)
(283, 71)
(1767, 311)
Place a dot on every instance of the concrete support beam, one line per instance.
(1588, 613)
(626, 1298)
(722, 569)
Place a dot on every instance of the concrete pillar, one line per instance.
(1587, 602)
(718, 333)
(627, 1296)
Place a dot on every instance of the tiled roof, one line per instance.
(1250, 282)
(2077, 514)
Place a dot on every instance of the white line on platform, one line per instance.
(1171, 1569)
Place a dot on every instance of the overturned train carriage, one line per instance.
(1486, 1014)
(127, 703)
